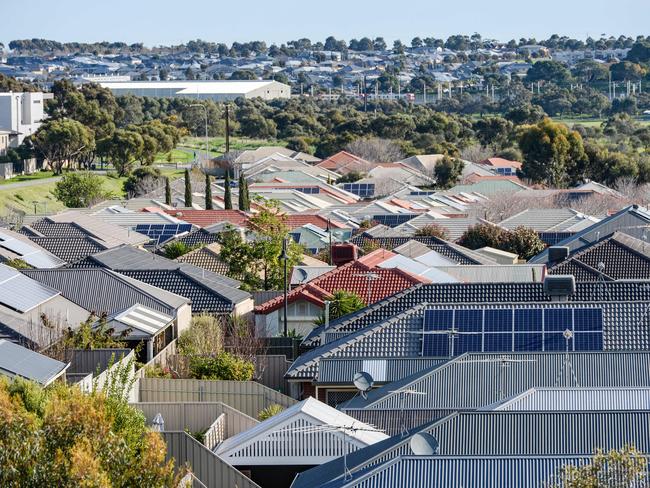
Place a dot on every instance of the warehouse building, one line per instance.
(202, 90)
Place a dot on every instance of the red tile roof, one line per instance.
(205, 218)
(346, 161)
(298, 220)
(350, 277)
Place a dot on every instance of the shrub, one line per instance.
(157, 371)
(204, 337)
(80, 189)
(524, 242)
(482, 235)
(269, 411)
(432, 230)
(17, 263)
(176, 249)
(521, 241)
(223, 366)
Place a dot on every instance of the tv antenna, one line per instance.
(370, 277)
(451, 333)
(567, 367)
(363, 382)
(402, 416)
(347, 430)
(602, 283)
(504, 363)
(424, 444)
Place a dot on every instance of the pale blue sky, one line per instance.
(164, 21)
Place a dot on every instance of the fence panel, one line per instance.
(270, 371)
(246, 396)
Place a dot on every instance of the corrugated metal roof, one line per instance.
(88, 288)
(16, 360)
(145, 320)
(577, 399)
(466, 472)
(28, 251)
(20, 293)
(342, 370)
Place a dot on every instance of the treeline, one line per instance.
(456, 42)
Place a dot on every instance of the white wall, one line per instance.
(22, 112)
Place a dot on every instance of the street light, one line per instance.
(207, 151)
(285, 257)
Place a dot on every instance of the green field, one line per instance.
(217, 145)
(590, 122)
(40, 196)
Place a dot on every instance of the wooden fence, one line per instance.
(210, 470)
(248, 397)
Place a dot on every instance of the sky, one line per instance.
(164, 22)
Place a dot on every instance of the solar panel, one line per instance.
(361, 189)
(162, 232)
(393, 220)
(520, 328)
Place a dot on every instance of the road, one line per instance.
(23, 184)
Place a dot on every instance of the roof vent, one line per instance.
(557, 254)
(560, 287)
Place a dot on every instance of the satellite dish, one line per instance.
(601, 267)
(423, 444)
(363, 382)
(567, 334)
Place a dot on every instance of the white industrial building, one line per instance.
(21, 114)
(201, 90)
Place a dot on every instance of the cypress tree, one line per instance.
(244, 202)
(227, 193)
(168, 192)
(208, 193)
(188, 189)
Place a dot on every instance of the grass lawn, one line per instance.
(178, 156)
(24, 198)
(218, 144)
(36, 176)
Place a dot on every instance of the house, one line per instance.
(22, 114)
(304, 435)
(344, 162)
(17, 246)
(306, 302)
(501, 166)
(209, 292)
(19, 362)
(33, 313)
(552, 224)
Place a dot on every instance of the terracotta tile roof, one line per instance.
(346, 161)
(350, 277)
(205, 218)
(501, 163)
(298, 220)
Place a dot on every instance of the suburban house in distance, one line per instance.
(220, 90)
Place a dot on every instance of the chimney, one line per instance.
(559, 287)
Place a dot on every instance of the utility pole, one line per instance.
(285, 257)
(227, 130)
(365, 94)
(425, 92)
(207, 144)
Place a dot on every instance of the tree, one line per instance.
(448, 171)
(79, 190)
(552, 153)
(244, 200)
(168, 191)
(208, 193)
(188, 189)
(342, 303)
(376, 150)
(482, 235)
(431, 230)
(626, 467)
(60, 436)
(640, 52)
(524, 242)
(142, 181)
(204, 337)
(548, 71)
(227, 192)
(493, 131)
(61, 142)
(123, 148)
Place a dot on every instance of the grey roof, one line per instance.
(624, 327)
(111, 235)
(634, 221)
(448, 249)
(491, 377)
(102, 290)
(507, 434)
(19, 361)
(339, 371)
(15, 245)
(128, 258)
(549, 219)
(455, 227)
(19, 293)
(69, 249)
(477, 293)
(140, 322)
(601, 398)
(409, 471)
(205, 258)
(621, 257)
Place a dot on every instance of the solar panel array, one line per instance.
(393, 220)
(363, 190)
(310, 190)
(421, 193)
(451, 332)
(161, 233)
